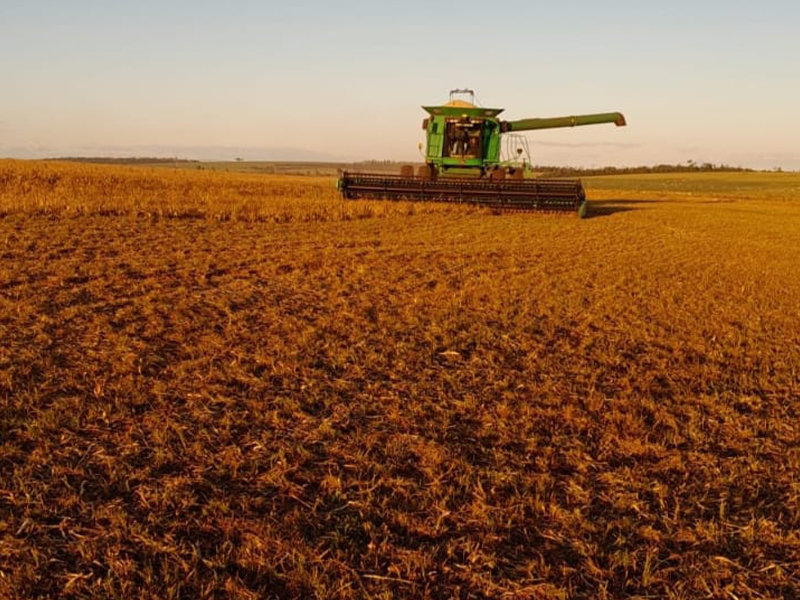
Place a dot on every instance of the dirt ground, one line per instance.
(395, 402)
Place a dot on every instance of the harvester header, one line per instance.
(463, 162)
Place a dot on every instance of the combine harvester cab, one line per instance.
(463, 164)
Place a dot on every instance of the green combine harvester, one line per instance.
(463, 163)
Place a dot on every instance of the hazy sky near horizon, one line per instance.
(710, 81)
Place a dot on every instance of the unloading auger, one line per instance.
(463, 163)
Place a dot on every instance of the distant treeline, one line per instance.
(690, 167)
(686, 168)
(391, 166)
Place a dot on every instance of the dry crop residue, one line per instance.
(223, 385)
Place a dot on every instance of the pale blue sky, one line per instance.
(708, 80)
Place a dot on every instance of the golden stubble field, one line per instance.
(218, 385)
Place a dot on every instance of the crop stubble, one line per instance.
(217, 385)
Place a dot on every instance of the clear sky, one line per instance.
(704, 80)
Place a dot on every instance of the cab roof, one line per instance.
(460, 108)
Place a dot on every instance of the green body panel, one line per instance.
(492, 146)
(435, 139)
(464, 139)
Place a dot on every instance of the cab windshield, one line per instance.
(463, 138)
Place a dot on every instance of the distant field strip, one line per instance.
(78, 189)
(736, 185)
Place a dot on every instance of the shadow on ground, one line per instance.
(605, 208)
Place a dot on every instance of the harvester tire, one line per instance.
(498, 175)
(426, 172)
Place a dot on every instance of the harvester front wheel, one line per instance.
(497, 175)
(427, 172)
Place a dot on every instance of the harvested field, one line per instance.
(219, 385)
